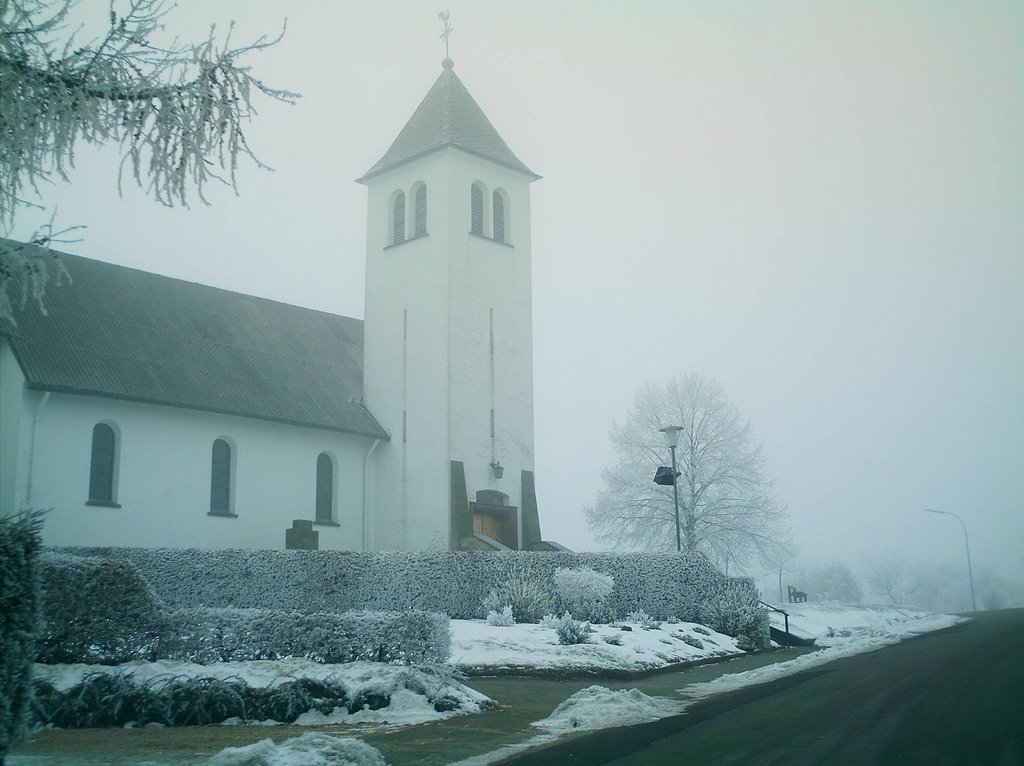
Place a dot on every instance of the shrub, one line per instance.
(643, 619)
(502, 619)
(524, 592)
(572, 631)
(581, 591)
(701, 629)
(19, 619)
(733, 609)
(696, 643)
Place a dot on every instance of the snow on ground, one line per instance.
(844, 630)
(482, 649)
(833, 624)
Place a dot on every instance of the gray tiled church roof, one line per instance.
(128, 334)
(448, 116)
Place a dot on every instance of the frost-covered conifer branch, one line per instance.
(178, 111)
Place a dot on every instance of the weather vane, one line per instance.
(448, 29)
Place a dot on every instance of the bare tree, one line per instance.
(780, 558)
(177, 111)
(890, 573)
(726, 507)
(833, 581)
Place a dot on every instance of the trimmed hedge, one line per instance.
(664, 585)
(232, 635)
(101, 611)
(20, 545)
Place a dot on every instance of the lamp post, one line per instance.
(672, 439)
(967, 546)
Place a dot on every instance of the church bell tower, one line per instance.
(448, 333)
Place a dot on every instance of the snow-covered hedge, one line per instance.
(97, 610)
(664, 585)
(232, 635)
(100, 610)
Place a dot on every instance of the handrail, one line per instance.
(785, 615)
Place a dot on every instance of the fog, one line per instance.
(820, 205)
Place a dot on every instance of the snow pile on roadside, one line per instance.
(598, 707)
(480, 648)
(309, 749)
(832, 624)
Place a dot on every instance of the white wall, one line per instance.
(163, 478)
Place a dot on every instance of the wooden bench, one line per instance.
(796, 596)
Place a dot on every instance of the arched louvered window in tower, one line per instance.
(101, 467)
(220, 478)
(324, 488)
(476, 210)
(421, 210)
(499, 217)
(398, 219)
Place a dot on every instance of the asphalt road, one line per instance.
(955, 696)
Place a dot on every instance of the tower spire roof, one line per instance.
(448, 116)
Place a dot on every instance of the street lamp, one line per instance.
(671, 440)
(967, 546)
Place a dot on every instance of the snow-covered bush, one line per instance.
(644, 620)
(524, 592)
(733, 609)
(572, 631)
(19, 619)
(583, 591)
(696, 643)
(116, 697)
(502, 619)
(701, 629)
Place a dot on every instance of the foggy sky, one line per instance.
(821, 205)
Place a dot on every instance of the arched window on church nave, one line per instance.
(398, 218)
(220, 477)
(500, 215)
(476, 209)
(103, 466)
(420, 201)
(324, 488)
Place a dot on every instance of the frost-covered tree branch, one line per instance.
(178, 111)
(726, 506)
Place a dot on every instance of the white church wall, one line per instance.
(429, 308)
(493, 280)
(164, 474)
(406, 369)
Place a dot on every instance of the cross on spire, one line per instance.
(446, 32)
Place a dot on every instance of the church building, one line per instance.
(148, 411)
